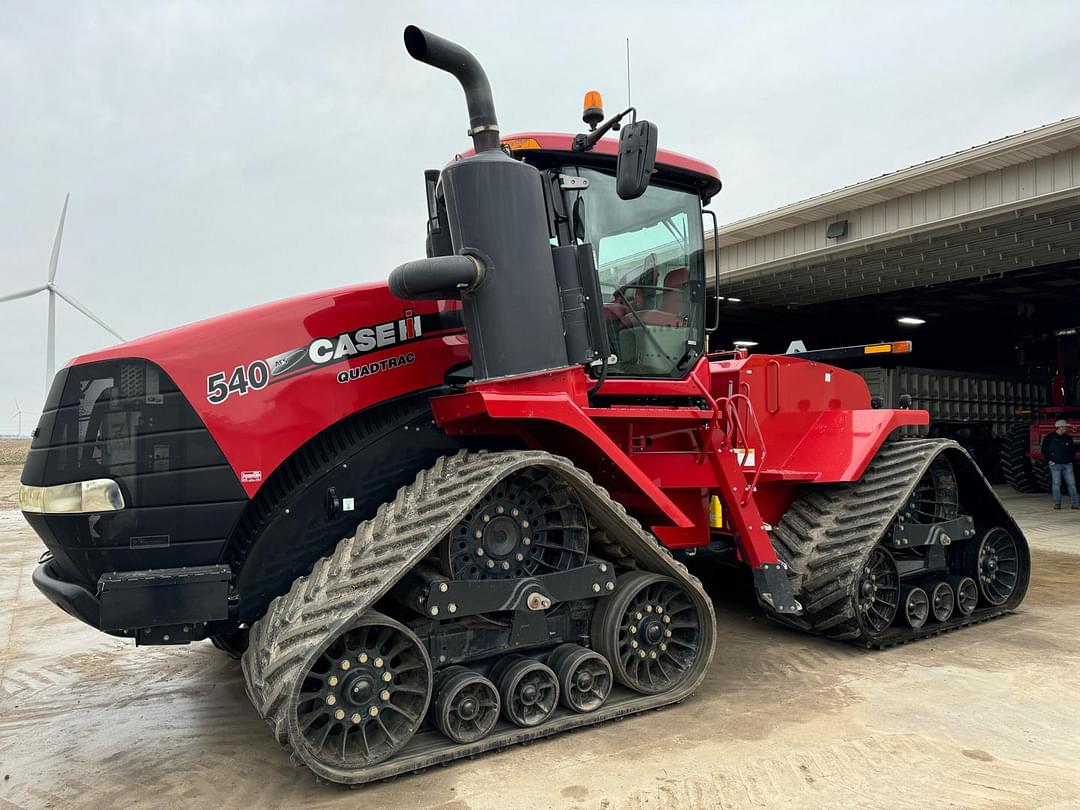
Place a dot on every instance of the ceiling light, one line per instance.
(734, 300)
(746, 343)
(909, 321)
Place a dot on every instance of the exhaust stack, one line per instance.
(502, 267)
(449, 56)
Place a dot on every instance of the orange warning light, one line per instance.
(592, 109)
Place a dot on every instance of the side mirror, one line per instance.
(636, 160)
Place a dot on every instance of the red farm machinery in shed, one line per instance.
(447, 514)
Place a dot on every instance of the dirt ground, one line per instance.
(13, 451)
(985, 717)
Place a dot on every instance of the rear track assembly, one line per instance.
(833, 541)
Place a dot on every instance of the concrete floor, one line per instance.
(986, 717)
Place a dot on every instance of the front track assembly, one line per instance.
(919, 545)
(357, 695)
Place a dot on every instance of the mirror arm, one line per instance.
(586, 141)
(716, 271)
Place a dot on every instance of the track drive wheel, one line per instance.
(364, 696)
(530, 523)
(466, 704)
(585, 678)
(649, 630)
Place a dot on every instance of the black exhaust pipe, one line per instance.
(502, 268)
(462, 65)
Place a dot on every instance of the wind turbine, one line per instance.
(54, 291)
(18, 415)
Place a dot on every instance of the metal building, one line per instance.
(1009, 205)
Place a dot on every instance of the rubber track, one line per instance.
(1016, 467)
(828, 532)
(286, 641)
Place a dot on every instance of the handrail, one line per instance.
(734, 430)
(730, 404)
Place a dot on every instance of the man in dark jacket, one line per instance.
(1059, 451)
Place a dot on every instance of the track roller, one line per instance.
(915, 604)
(528, 688)
(585, 677)
(967, 594)
(466, 704)
(942, 601)
(649, 630)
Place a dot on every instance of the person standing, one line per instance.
(1059, 451)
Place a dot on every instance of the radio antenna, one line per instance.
(628, 72)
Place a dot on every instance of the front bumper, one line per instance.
(75, 600)
(160, 606)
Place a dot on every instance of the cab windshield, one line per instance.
(650, 257)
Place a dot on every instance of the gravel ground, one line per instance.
(13, 451)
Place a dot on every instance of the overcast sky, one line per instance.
(221, 155)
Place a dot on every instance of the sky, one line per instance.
(220, 155)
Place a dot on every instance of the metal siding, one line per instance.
(1012, 184)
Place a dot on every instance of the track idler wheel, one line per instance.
(650, 631)
(967, 594)
(528, 688)
(994, 563)
(915, 604)
(364, 696)
(942, 601)
(877, 594)
(466, 704)
(585, 677)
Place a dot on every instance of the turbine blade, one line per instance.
(87, 313)
(23, 294)
(56, 242)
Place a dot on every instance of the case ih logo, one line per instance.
(320, 352)
(367, 339)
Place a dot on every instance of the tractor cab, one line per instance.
(647, 246)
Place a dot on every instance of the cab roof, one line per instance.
(541, 148)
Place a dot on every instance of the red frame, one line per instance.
(805, 422)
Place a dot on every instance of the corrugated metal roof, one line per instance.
(1008, 151)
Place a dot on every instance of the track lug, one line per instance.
(774, 588)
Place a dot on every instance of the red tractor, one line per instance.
(445, 515)
(1022, 462)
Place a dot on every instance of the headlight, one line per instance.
(99, 495)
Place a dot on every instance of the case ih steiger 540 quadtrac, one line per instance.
(512, 437)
